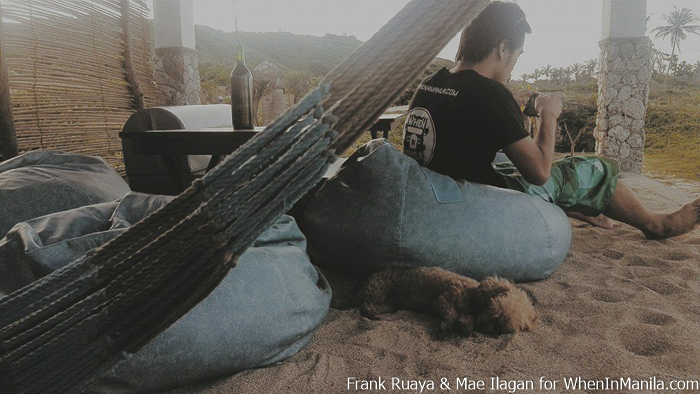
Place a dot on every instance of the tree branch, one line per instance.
(129, 71)
(8, 138)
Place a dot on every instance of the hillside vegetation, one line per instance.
(318, 55)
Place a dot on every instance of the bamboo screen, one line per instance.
(66, 73)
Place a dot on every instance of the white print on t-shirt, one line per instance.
(419, 135)
(433, 89)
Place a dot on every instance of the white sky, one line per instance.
(564, 31)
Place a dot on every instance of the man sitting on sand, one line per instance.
(467, 115)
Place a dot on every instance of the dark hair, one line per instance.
(497, 22)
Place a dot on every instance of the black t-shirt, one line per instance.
(457, 122)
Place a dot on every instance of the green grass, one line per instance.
(673, 154)
(672, 128)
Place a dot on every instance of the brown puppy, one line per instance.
(493, 306)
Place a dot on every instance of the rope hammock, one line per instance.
(65, 330)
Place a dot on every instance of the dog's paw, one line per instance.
(462, 326)
(445, 330)
(465, 325)
(374, 311)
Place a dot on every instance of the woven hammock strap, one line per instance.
(63, 331)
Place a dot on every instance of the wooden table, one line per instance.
(386, 123)
(217, 142)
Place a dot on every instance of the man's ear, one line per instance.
(503, 49)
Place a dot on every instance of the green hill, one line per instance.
(317, 55)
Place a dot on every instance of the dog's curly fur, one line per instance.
(493, 306)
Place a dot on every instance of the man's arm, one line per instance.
(533, 157)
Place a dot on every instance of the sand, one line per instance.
(620, 306)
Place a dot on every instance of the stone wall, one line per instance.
(623, 92)
(176, 72)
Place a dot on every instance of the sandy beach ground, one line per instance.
(620, 307)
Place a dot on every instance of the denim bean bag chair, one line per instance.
(264, 311)
(42, 182)
(382, 210)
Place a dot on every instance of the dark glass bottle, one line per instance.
(241, 94)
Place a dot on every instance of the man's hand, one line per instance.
(523, 95)
(550, 105)
(533, 158)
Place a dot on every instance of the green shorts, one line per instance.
(582, 184)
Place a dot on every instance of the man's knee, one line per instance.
(592, 164)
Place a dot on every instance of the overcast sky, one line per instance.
(564, 31)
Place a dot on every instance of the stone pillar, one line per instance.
(623, 83)
(176, 61)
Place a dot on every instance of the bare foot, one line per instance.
(598, 221)
(677, 223)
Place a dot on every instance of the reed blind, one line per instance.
(67, 77)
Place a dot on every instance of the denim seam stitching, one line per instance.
(402, 205)
(300, 310)
(549, 232)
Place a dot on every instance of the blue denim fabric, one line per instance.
(42, 182)
(383, 210)
(264, 311)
